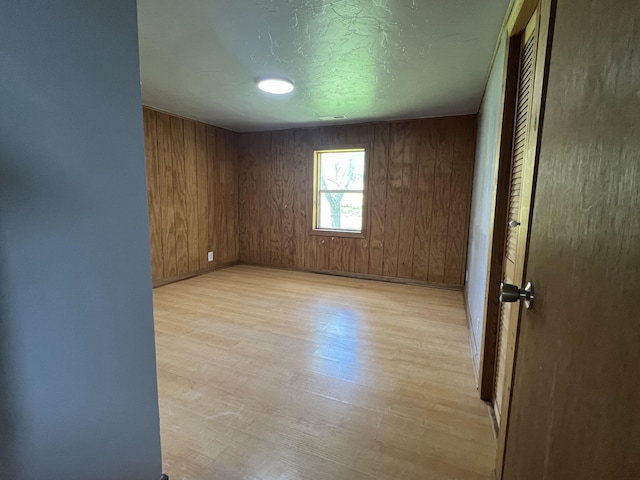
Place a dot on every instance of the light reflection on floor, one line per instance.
(337, 344)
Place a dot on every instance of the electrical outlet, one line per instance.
(210, 256)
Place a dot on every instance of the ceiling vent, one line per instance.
(333, 117)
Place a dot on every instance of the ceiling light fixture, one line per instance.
(275, 85)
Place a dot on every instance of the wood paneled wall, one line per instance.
(193, 195)
(419, 189)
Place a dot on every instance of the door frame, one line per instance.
(497, 234)
(517, 18)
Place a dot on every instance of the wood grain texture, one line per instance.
(191, 195)
(441, 205)
(265, 206)
(299, 197)
(247, 197)
(575, 403)
(275, 200)
(249, 207)
(323, 253)
(362, 135)
(267, 373)
(408, 196)
(427, 155)
(459, 201)
(212, 187)
(167, 196)
(192, 183)
(394, 200)
(287, 200)
(154, 194)
(544, 15)
(227, 195)
(231, 253)
(403, 190)
(202, 194)
(378, 169)
(179, 195)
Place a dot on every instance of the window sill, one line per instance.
(337, 233)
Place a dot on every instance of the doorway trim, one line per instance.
(499, 219)
(517, 18)
(518, 15)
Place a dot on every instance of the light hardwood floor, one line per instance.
(272, 374)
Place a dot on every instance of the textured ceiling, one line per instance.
(365, 59)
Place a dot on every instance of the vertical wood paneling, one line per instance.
(203, 206)
(461, 178)
(411, 139)
(361, 264)
(154, 194)
(244, 179)
(311, 246)
(191, 195)
(275, 193)
(378, 196)
(342, 254)
(218, 192)
(192, 180)
(300, 181)
(312, 243)
(249, 202)
(323, 253)
(212, 188)
(394, 200)
(417, 205)
(264, 192)
(223, 191)
(440, 211)
(419, 181)
(167, 200)
(283, 150)
(179, 192)
(362, 134)
(231, 209)
(427, 155)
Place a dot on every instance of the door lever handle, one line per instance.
(512, 293)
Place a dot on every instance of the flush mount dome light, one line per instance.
(277, 86)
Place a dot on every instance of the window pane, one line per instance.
(342, 170)
(340, 211)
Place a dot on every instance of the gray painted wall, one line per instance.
(482, 203)
(78, 395)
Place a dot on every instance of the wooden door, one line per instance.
(575, 408)
(519, 202)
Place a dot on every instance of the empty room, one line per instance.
(308, 248)
(319, 239)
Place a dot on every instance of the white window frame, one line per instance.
(317, 190)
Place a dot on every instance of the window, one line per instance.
(339, 192)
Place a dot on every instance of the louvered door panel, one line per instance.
(518, 159)
(520, 143)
